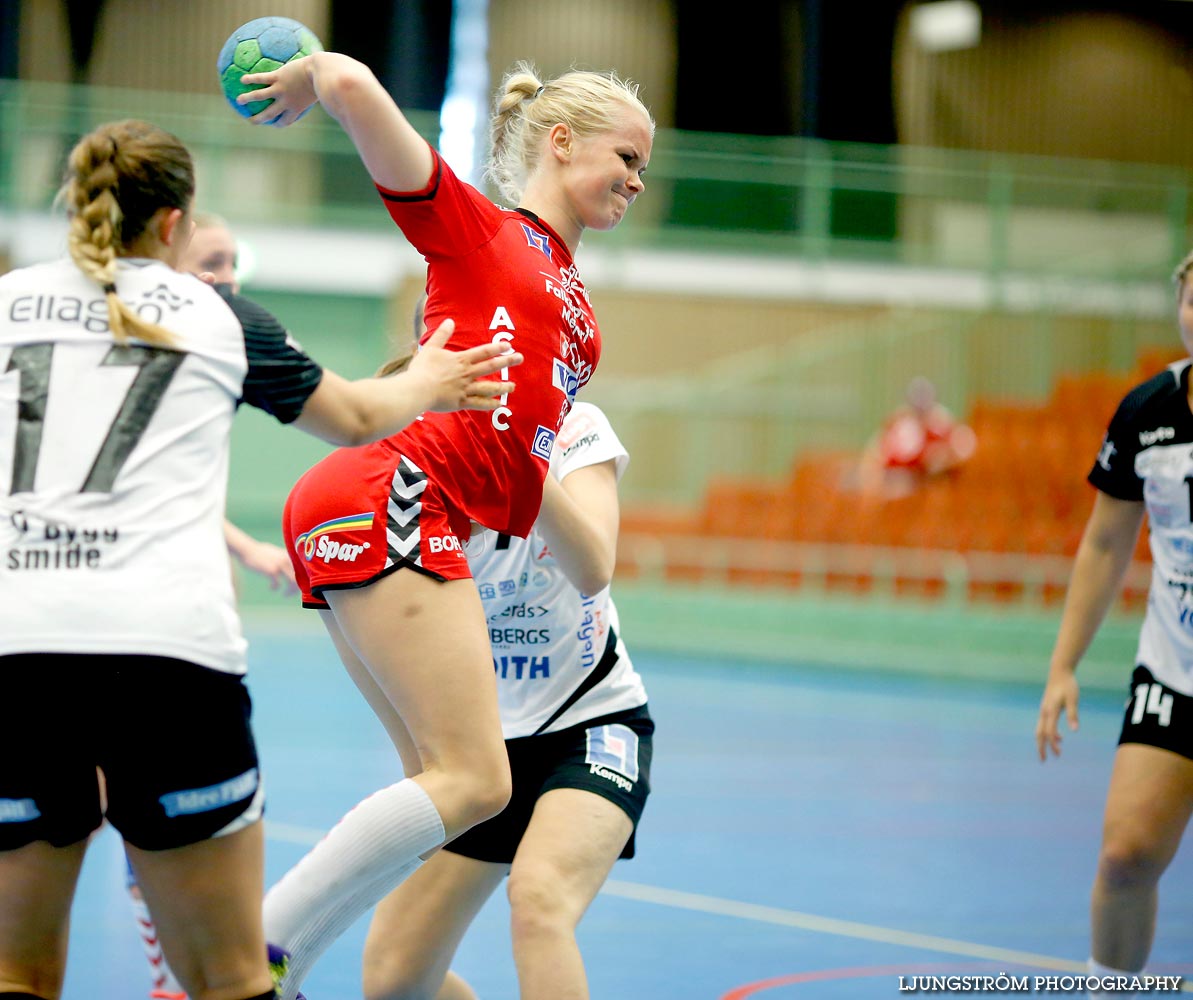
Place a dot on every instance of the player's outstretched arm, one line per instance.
(351, 413)
(395, 155)
(1098, 570)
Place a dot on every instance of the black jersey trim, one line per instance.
(427, 195)
(1160, 397)
(1172, 381)
(280, 377)
(381, 574)
(598, 673)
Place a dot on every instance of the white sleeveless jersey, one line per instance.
(114, 460)
(549, 640)
(1148, 455)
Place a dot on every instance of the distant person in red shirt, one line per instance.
(378, 535)
(919, 440)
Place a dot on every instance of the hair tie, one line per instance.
(110, 288)
(537, 92)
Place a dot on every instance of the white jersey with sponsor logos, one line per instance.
(548, 639)
(1148, 455)
(114, 460)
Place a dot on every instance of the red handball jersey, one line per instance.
(502, 275)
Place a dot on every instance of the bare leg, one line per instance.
(37, 886)
(417, 928)
(387, 715)
(161, 975)
(206, 899)
(563, 860)
(455, 988)
(424, 647)
(1147, 810)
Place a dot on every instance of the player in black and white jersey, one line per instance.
(119, 378)
(578, 734)
(212, 253)
(1145, 465)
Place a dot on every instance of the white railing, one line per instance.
(953, 577)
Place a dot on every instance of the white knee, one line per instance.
(1127, 863)
(390, 976)
(481, 793)
(539, 904)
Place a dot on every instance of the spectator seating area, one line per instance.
(1003, 527)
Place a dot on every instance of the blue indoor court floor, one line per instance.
(812, 833)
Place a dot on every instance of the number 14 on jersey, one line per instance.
(1150, 699)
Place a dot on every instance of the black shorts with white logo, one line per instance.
(608, 756)
(172, 739)
(1157, 715)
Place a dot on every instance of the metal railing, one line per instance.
(951, 578)
(787, 196)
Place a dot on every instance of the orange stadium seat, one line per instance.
(1024, 492)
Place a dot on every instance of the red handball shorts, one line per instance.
(362, 513)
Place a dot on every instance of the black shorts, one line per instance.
(1157, 715)
(608, 756)
(172, 739)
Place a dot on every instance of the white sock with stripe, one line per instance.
(1095, 968)
(360, 861)
(164, 983)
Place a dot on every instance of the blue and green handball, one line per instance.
(259, 46)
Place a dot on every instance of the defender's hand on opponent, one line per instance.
(455, 380)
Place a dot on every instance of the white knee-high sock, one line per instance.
(1096, 968)
(360, 861)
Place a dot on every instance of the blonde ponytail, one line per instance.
(395, 365)
(526, 108)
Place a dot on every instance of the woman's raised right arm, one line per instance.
(393, 152)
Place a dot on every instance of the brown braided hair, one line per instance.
(117, 177)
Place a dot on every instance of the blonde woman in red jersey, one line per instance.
(570, 153)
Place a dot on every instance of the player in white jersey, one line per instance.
(1145, 464)
(212, 253)
(578, 734)
(119, 378)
